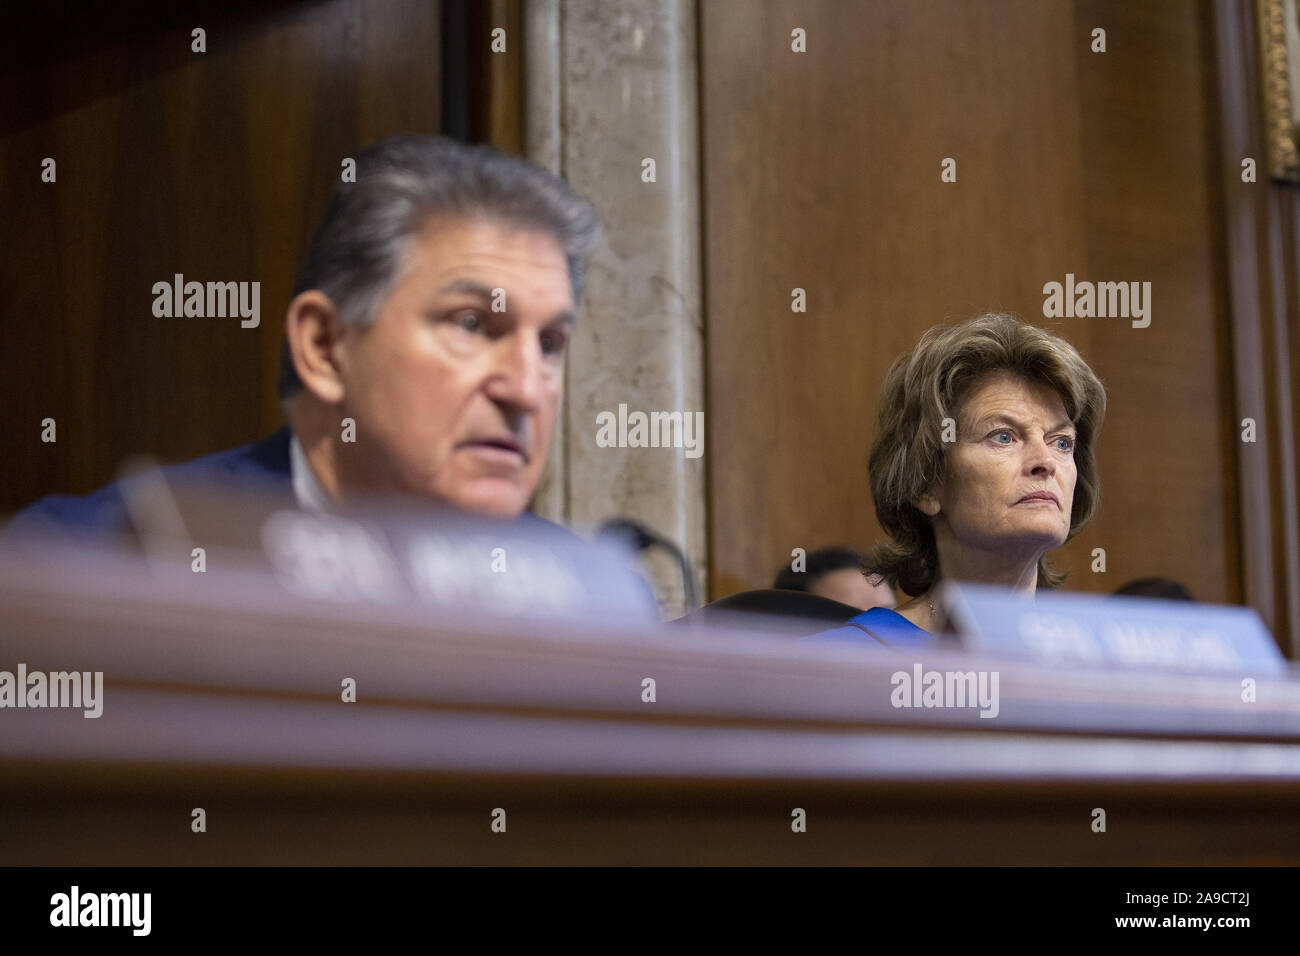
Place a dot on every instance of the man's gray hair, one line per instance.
(359, 251)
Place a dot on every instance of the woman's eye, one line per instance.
(1067, 444)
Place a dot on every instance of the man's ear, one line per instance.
(312, 327)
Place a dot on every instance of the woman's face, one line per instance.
(1009, 480)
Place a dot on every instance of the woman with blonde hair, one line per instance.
(983, 461)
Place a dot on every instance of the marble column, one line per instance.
(610, 84)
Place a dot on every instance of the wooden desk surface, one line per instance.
(229, 699)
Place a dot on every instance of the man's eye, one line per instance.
(1000, 433)
(553, 342)
(470, 321)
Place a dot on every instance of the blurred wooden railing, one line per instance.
(229, 699)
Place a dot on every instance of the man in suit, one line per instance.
(424, 343)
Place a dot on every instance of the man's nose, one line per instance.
(518, 371)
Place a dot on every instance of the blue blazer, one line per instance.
(261, 466)
(878, 626)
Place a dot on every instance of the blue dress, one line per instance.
(878, 626)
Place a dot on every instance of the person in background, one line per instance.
(1156, 588)
(983, 462)
(836, 573)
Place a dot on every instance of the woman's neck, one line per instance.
(923, 612)
(995, 570)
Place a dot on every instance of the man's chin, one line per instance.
(490, 498)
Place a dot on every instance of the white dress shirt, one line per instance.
(311, 496)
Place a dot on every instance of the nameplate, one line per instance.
(397, 551)
(1116, 630)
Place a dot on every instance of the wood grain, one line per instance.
(215, 165)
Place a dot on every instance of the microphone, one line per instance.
(636, 537)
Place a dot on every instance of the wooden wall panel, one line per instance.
(822, 171)
(216, 165)
(1152, 212)
(1262, 262)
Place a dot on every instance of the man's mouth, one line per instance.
(502, 443)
